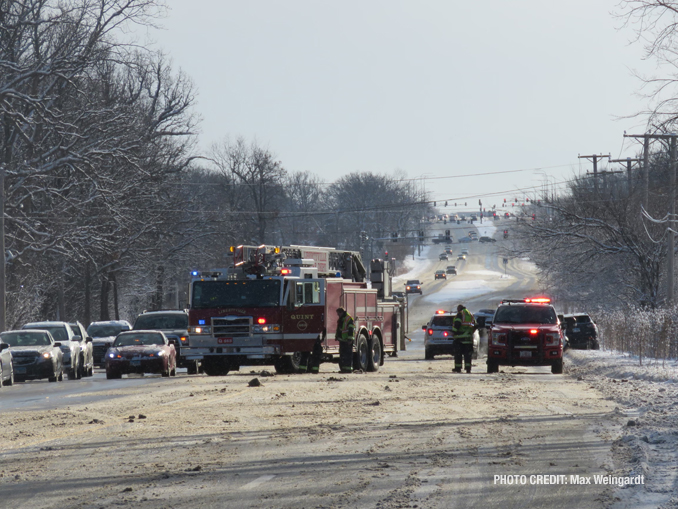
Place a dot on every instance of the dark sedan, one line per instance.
(34, 355)
(141, 352)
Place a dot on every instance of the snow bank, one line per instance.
(622, 366)
(486, 230)
(485, 273)
(416, 267)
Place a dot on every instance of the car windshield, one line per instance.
(138, 340)
(440, 272)
(159, 321)
(526, 314)
(25, 338)
(583, 319)
(413, 282)
(58, 332)
(442, 321)
(105, 330)
(258, 293)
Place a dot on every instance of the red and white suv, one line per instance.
(525, 333)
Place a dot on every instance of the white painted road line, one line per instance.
(257, 482)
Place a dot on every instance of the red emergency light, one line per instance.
(539, 300)
(440, 312)
(534, 331)
(285, 272)
(261, 321)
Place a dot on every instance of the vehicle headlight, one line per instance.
(47, 355)
(200, 329)
(552, 339)
(268, 328)
(498, 339)
(160, 353)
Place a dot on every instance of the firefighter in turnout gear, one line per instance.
(345, 334)
(463, 329)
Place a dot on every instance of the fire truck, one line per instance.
(272, 303)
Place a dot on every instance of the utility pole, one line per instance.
(3, 259)
(629, 165)
(595, 158)
(672, 205)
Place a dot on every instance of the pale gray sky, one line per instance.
(431, 87)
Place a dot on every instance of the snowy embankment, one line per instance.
(647, 398)
(486, 230)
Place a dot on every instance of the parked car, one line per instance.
(103, 335)
(87, 352)
(581, 331)
(451, 269)
(70, 344)
(438, 338)
(443, 256)
(440, 274)
(487, 315)
(6, 364)
(35, 355)
(487, 239)
(174, 324)
(413, 286)
(141, 352)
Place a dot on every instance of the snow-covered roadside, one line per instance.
(454, 291)
(647, 398)
(421, 264)
(486, 230)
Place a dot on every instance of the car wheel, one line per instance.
(112, 376)
(361, 355)
(61, 375)
(428, 355)
(375, 354)
(54, 377)
(492, 367)
(90, 370)
(72, 374)
(557, 367)
(81, 368)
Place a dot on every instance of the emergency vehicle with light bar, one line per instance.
(525, 333)
(438, 336)
(273, 302)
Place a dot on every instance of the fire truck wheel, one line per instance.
(288, 364)
(375, 352)
(492, 367)
(215, 367)
(362, 354)
(557, 367)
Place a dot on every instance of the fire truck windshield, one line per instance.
(256, 293)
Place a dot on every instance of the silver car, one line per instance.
(438, 337)
(6, 365)
(72, 346)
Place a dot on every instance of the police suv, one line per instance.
(438, 337)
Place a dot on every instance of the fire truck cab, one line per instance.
(274, 303)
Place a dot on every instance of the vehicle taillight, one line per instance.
(498, 339)
(285, 272)
(534, 332)
(445, 333)
(430, 332)
(261, 321)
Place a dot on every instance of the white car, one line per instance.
(76, 349)
(103, 334)
(438, 337)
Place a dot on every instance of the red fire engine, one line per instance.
(273, 302)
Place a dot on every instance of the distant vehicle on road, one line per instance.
(440, 274)
(465, 239)
(451, 269)
(103, 335)
(35, 355)
(487, 239)
(413, 286)
(461, 257)
(141, 352)
(485, 316)
(448, 249)
(72, 346)
(443, 256)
